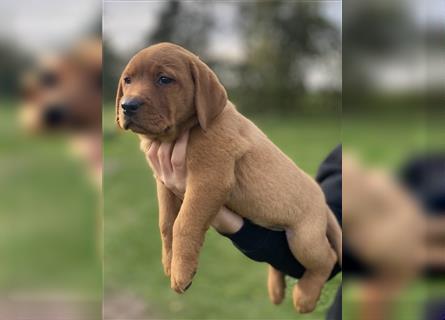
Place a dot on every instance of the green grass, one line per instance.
(48, 208)
(227, 285)
(388, 140)
(47, 215)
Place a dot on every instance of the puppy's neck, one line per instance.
(186, 125)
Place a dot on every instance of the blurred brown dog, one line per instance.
(383, 224)
(385, 229)
(64, 91)
(166, 90)
(63, 94)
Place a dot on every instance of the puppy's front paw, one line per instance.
(181, 277)
(180, 285)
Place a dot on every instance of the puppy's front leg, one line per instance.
(169, 206)
(207, 191)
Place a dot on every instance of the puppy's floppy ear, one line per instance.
(210, 95)
(119, 95)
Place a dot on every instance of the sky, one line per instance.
(44, 25)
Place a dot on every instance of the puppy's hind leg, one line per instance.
(311, 248)
(276, 285)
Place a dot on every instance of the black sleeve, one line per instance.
(264, 245)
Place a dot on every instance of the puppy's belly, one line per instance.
(276, 215)
(273, 192)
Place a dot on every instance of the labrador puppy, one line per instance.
(62, 94)
(63, 91)
(383, 224)
(165, 90)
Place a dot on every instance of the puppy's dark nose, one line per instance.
(54, 115)
(130, 106)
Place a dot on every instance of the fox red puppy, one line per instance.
(165, 90)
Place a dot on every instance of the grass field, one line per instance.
(48, 207)
(388, 140)
(228, 285)
(47, 216)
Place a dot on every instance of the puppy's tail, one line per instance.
(334, 235)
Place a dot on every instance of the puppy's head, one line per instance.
(63, 91)
(163, 87)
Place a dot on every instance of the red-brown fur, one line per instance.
(229, 162)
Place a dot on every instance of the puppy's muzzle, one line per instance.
(55, 115)
(131, 105)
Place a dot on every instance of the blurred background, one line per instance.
(49, 202)
(378, 88)
(393, 160)
(280, 62)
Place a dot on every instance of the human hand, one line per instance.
(168, 162)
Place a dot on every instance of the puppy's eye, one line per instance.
(127, 80)
(163, 80)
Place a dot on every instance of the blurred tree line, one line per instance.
(280, 40)
(12, 62)
(397, 37)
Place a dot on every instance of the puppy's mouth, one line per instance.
(157, 133)
(127, 123)
(130, 124)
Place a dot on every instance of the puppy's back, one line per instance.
(269, 188)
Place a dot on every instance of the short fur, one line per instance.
(230, 162)
(76, 92)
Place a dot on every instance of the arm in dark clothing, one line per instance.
(264, 245)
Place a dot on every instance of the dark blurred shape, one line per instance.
(377, 28)
(378, 36)
(424, 175)
(392, 55)
(13, 62)
(54, 115)
(435, 309)
(183, 24)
